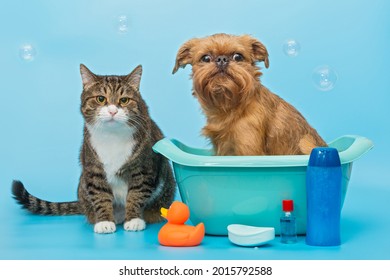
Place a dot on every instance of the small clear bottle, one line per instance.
(288, 228)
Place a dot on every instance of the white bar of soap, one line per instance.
(249, 235)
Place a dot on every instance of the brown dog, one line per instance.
(243, 116)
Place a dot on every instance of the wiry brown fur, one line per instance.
(243, 116)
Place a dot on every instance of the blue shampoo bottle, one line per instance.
(323, 197)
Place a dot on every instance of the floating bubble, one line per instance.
(291, 48)
(123, 24)
(27, 52)
(324, 78)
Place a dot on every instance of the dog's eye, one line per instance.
(238, 57)
(206, 58)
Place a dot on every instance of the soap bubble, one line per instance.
(324, 78)
(27, 52)
(291, 48)
(122, 24)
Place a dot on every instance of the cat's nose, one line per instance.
(112, 109)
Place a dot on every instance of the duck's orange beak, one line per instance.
(164, 212)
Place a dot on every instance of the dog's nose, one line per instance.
(222, 61)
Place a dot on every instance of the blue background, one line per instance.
(41, 126)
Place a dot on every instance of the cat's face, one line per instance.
(111, 101)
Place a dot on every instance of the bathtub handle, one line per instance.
(168, 149)
(359, 147)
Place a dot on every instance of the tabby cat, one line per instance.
(122, 179)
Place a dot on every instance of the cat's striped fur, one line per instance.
(122, 180)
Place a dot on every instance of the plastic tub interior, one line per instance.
(224, 190)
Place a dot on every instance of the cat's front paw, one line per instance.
(135, 224)
(105, 227)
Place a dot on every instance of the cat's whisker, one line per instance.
(97, 125)
(134, 125)
(138, 123)
(122, 118)
(138, 119)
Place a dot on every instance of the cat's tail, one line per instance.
(43, 207)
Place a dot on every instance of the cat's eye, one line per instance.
(124, 101)
(101, 100)
(206, 58)
(238, 57)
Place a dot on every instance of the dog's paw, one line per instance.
(135, 224)
(105, 227)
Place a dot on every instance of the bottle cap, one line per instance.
(324, 156)
(288, 205)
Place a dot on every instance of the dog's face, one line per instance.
(224, 70)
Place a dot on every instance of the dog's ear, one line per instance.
(183, 56)
(259, 51)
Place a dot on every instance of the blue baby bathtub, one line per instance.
(224, 190)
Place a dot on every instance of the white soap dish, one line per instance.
(249, 235)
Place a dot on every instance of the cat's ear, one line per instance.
(134, 78)
(87, 76)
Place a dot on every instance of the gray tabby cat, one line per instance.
(122, 180)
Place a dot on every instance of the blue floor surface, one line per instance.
(365, 229)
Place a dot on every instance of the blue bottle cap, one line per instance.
(324, 156)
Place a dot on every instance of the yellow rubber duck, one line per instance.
(175, 233)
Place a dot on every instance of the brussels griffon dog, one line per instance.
(243, 116)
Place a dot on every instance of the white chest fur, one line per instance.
(114, 146)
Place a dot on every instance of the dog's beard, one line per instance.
(224, 90)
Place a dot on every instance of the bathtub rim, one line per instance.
(350, 147)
